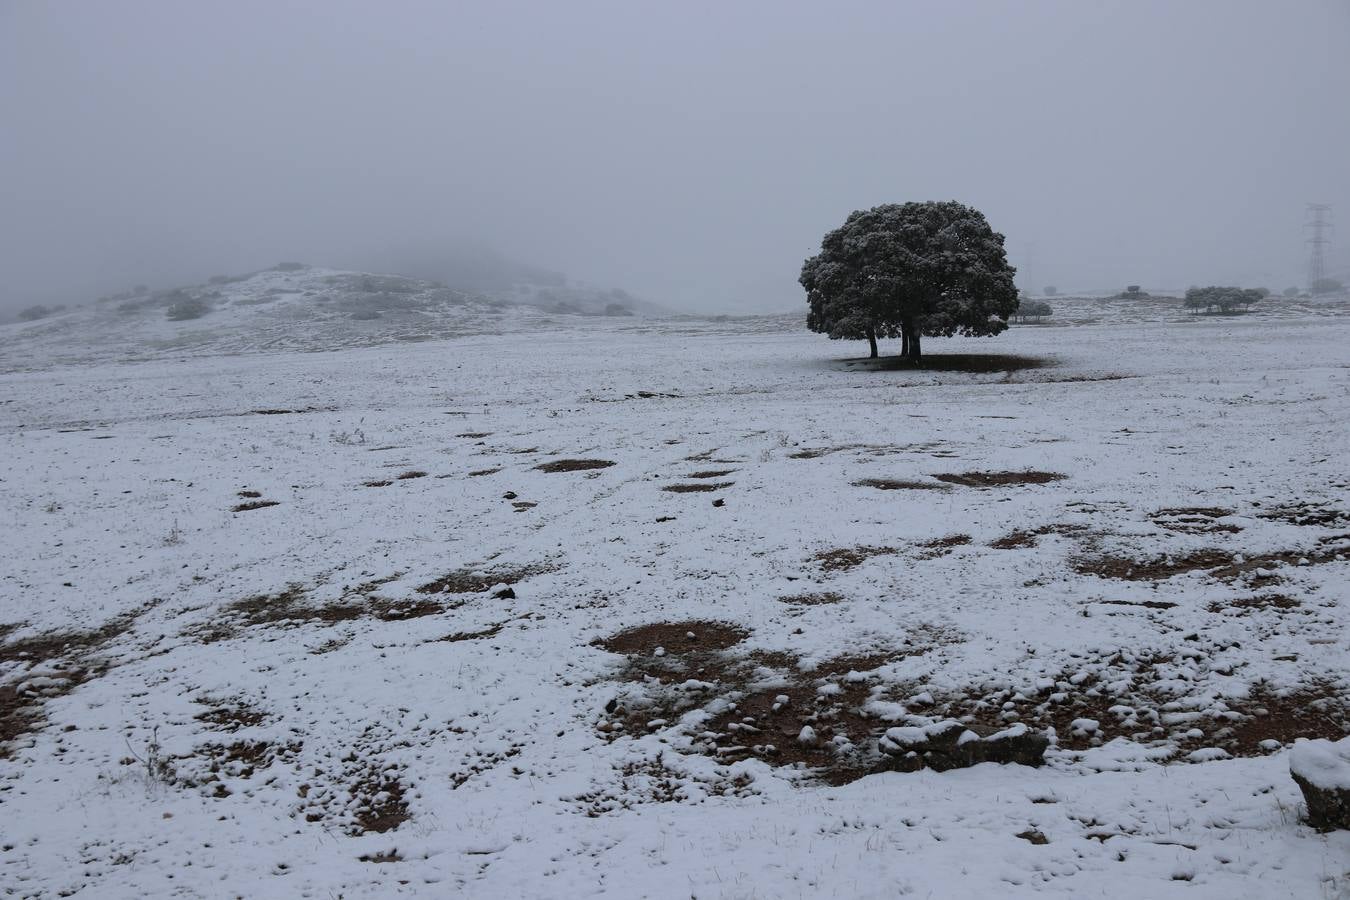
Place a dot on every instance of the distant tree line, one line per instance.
(1031, 309)
(1223, 299)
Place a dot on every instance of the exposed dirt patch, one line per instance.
(1030, 538)
(255, 504)
(53, 664)
(975, 363)
(693, 636)
(377, 483)
(1146, 604)
(1305, 512)
(846, 558)
(1220, 564)
(484, 472)
(821, 598)
(574, 465)
(895, 484)
(457, 636)
(412, 473)
(384, 856)
(998, 479)
(230, 716)
(1245, 605)
(1195, 520)
(697, 488)
(248, 494)
(943, 545)
(711, 473)
(289, 608)
(475, 435)
(381, 803)
(472, 581)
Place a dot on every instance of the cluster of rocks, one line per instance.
(950, 745)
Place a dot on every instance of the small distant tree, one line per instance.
(909, 270)
(187, 308)
(1032, 309)
(33, 313)
(1051, 290)
(1291, 292)
(1327, 286)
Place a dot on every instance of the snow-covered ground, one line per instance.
(338, 695)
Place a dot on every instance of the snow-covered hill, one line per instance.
(295, 307)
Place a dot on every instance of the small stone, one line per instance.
(807, 737)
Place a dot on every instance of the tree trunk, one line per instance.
(904, 342)
(915, 347)
(872, 340)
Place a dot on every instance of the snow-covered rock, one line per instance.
(1322, 771)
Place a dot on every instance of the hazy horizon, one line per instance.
(692, 154)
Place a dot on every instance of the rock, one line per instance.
(950, 745)
(808, 737)
(1321, 769)
(505, 593)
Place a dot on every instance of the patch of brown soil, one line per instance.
(247, 494)
(1305, 512)
(399, 610)
(1029, 538)
(473, 581)
(711, 473)
(697, 488)
(893, 484)
(1146, 604)
(1220, 564)
(255, 504)
(226, 716)
(384, 856)
(1245, 605)
(1195, 520)
(475, 434)
(939, 547)
(382, 805)
(472, 635)
(693, 636)
(817, 599)
(411, 473)
(846, 558)
(287, 608)
(996, 479)
(484, 472)
(379, 483)
(574, 465)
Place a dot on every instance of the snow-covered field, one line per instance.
(400, 679)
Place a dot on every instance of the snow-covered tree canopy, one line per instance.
(910, 269)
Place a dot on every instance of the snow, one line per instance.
(123, 466)
(1322, 763)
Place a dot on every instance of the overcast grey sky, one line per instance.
(691, 152)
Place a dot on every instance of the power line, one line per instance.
(1319, 221)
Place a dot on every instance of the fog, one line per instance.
(691, 153)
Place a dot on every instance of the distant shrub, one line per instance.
(617, 309)
(33, 313)
(187, 308)
(1291, 292)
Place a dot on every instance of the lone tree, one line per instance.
(910, 270)
(1032, 309)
